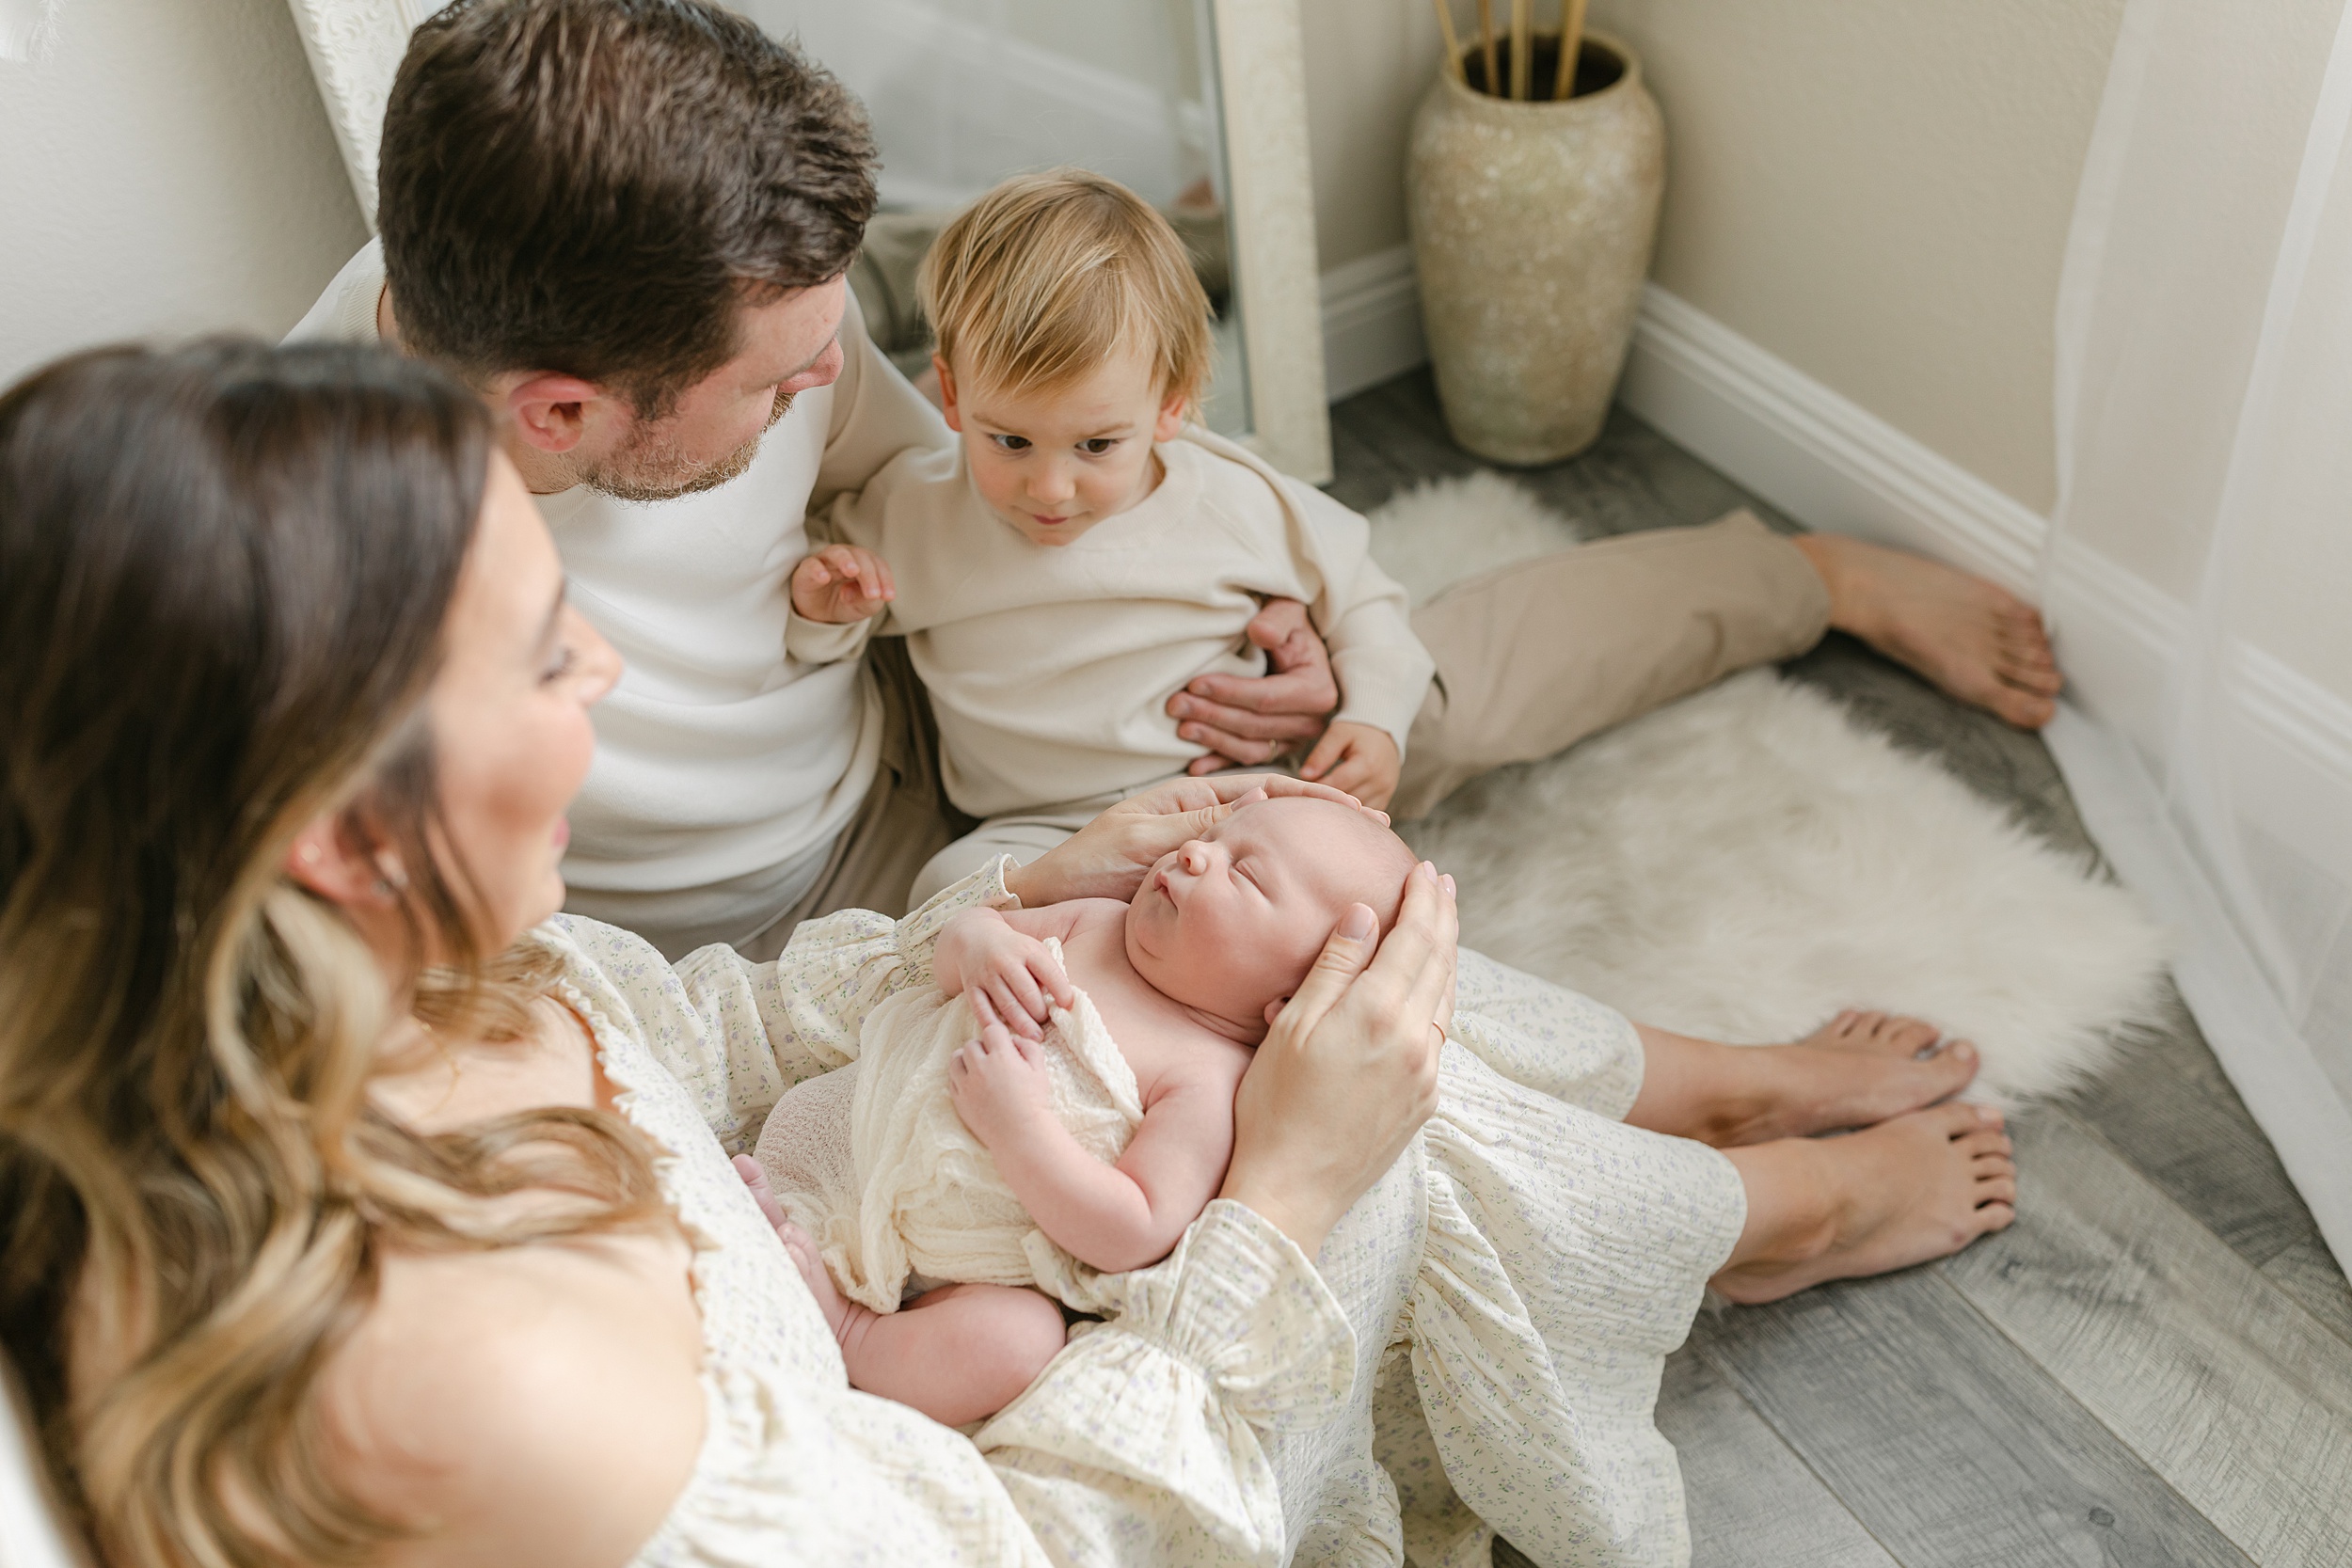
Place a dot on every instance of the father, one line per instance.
(629, 224)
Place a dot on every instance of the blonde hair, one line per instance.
(261, 545)
(1049, 275)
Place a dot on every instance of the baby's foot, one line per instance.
(840, 1311)
(1919, 1187)
(1975, 639)
(1855, 1071)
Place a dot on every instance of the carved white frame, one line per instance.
(1262, 90)
(355, 45)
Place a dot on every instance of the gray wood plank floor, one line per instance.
(2153, 1366)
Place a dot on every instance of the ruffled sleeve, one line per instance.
(1141, 1443)
(737, 1034)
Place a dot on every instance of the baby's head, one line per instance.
(1072, 334)
(1230, 924)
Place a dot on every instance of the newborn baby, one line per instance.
(985, 1177)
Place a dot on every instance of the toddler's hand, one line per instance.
(841, 583)
(1005, 975)
(999, 1083)
(1361, 759)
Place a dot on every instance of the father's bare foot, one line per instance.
(839, 1311)
(1919, 1187)
(1975, 639)
(1855, 1071)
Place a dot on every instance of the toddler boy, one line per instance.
(1085, 549)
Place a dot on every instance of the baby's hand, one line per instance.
(841, 583)
(1361, 759)
(982, 958)
(999, 1083)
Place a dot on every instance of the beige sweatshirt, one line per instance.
(1050, 665)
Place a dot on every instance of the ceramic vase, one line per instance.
(1532, 225)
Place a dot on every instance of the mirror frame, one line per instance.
(355, 47)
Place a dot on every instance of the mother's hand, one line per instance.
(1108, 858)
(1349, 1071)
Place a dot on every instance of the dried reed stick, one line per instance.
(1522, 35)
(1486, 45)
(1453, 43)
(1571, 45)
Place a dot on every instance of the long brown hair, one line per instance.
(223, 575)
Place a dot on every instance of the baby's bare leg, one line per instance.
(959, 1354)
(1856, 1070)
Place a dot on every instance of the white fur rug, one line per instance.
(1744, 863)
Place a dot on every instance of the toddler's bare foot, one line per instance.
(1857, 1070)
(841, 1313)
(1915, 1188)
(1975, 639)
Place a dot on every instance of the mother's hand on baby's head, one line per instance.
(1348, 1072)
(1108, 858)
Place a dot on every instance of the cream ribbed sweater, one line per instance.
(1049, 665)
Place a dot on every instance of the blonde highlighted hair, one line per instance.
(1049, 275)
(223, 575)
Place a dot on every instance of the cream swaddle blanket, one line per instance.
(910, 1192)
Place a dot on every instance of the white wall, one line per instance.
(1879, 193)
(165, 170)
(1368, 63)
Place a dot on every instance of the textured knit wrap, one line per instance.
(921, 1197)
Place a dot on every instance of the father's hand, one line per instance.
(1252, 720)
(1108, 858)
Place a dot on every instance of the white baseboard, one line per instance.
(1833, 465)
(1371, 321)
(1826, 460)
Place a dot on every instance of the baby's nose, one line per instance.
(1195, 857)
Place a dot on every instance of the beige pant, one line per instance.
(1531, 659)
(1535, 657)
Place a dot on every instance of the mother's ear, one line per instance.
(321, 860)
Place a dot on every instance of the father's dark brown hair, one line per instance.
(595, 187)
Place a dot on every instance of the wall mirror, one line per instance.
(1198, 105)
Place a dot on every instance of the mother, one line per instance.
(332, 1236)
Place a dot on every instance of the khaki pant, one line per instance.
(1531, 659)
(1535, 657)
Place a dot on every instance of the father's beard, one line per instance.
(649, 467)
